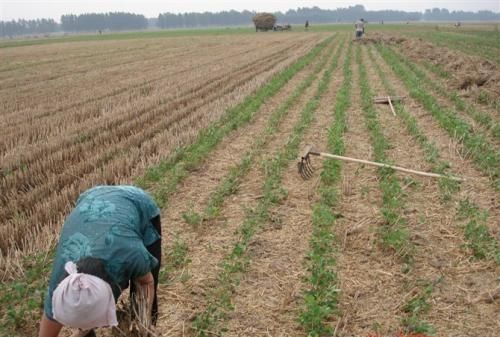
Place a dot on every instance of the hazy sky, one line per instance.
(30, 9)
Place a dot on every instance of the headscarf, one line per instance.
(83, 301)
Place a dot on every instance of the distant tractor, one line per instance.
(264, 21)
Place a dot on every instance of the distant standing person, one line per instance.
(307, 24)
(359, 26)
(110, 241)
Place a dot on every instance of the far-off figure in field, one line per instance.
(307, 25)
(359, 26)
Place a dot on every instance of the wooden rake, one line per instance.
(388, 100)
(306, 170)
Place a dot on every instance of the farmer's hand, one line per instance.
(145, 296)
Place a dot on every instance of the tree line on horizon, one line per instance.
(127, 21)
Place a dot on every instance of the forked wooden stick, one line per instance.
(311, 151)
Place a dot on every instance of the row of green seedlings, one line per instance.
(163, 178)
(448, 187)
(419, 304)
(480, 117)
(236, 262)
(177, 255)
(481, 243)
(162, 181)
(393, 233)
(321, 298)
(482, 152)
(231, 182)
(482, 98)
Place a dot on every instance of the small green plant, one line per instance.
(418, 306)
(483, 98)
(177, 256)
(21, 301)
(482, 244)
(192, 218)
(174, 259)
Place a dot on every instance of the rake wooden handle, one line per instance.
(397, 168)
(390, 104)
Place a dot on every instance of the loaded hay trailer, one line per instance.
(264, 21)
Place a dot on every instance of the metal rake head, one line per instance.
(304, 165)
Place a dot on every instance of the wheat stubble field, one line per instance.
(211, 126)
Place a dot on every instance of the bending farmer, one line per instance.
(111, 240)
(360, 28)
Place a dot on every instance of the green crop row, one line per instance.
(320, 300)
(447, 186)
(419, 304)
(164, 177)
(482, 152)
(393, 232)
(273, 193)
(231, 182)
(479, 240)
